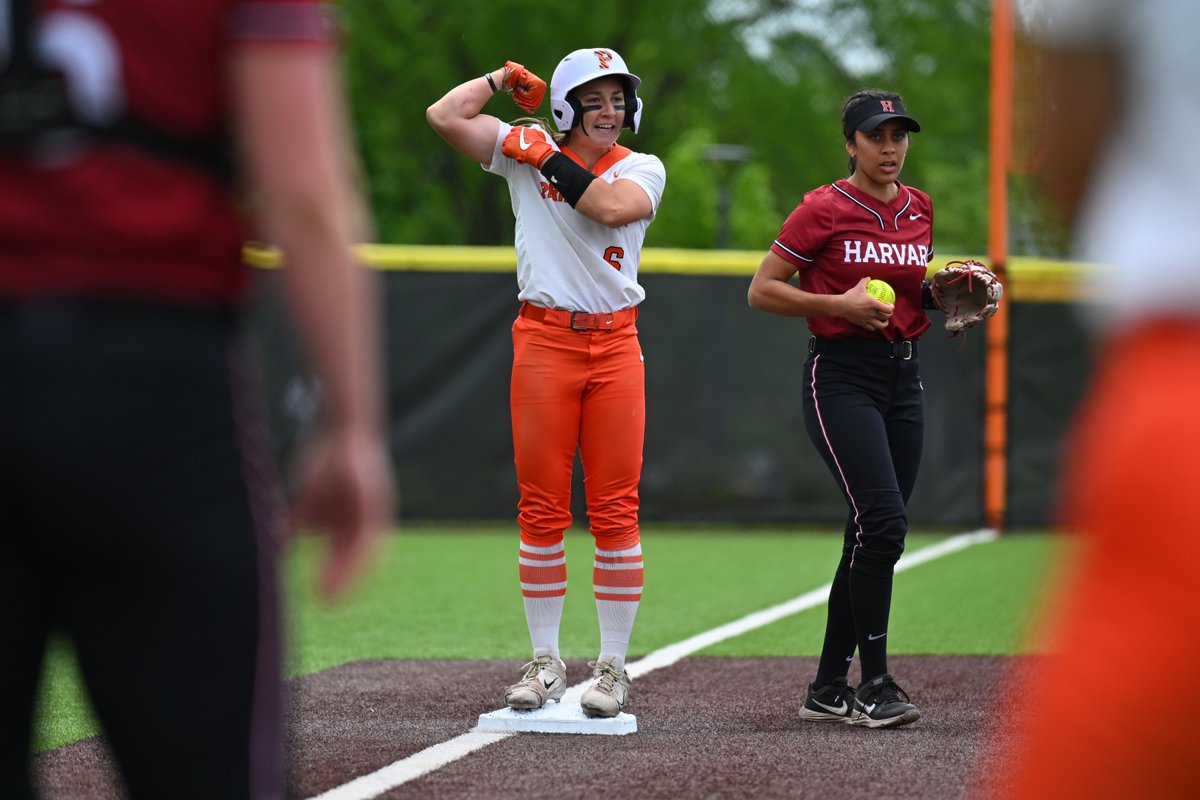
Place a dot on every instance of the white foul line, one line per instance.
(438, 755)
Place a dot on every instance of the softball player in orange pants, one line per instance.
(582, 204)
(1131, 603)
(1107, 714)
(578, 390)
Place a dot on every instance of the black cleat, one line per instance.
(880, 703)
(831, 703)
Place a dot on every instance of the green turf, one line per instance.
(64, 714)
(981, 601)
(462, 601)
(451, 592)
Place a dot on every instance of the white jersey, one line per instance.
(1143, 203)
(564, 259)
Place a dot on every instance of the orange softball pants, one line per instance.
(1106, 714)
(578, 390)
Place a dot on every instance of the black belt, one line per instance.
(903, 350)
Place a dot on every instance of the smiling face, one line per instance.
(603, 102)
(879, 157)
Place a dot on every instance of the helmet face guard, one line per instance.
(585, 65)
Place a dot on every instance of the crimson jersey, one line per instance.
(839, 235)
(80, 217)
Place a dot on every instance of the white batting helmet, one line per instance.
(578, 68)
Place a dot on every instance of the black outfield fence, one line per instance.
(725, 439)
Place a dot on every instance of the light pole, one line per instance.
(732, 155)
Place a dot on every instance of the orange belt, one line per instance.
(580, 320)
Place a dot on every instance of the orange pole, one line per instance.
(995, 472)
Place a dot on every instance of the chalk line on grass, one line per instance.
(439, 755)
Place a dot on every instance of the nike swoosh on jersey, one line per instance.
(914, 216)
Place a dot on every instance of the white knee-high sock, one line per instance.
(617, 579)
(543, 568)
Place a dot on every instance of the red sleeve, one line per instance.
(806, 230)
(922, 203)
(929, 203)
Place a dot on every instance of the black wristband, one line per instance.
(569, 178)
(491, 82)
(928, 301)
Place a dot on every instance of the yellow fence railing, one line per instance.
(1027, 279)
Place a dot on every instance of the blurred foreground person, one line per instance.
(1129, 603)
(139, 512)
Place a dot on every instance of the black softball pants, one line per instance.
(864, 412)
(137, 505)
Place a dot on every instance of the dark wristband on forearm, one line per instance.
(569, 178)
(928, 302)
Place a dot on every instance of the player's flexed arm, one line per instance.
(457, 118)
(613, 204)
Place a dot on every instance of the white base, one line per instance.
(555, 717)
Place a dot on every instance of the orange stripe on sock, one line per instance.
(618, 559)
(555, 574)
(618, 577)
(621, 598)
(541, 556)
(554, 593)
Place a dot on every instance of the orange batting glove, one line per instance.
(527, 145)
(527, 89)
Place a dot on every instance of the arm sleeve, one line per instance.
(501, 164)
(804, 233)
(649, 173)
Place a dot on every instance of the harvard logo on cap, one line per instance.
(873, 112)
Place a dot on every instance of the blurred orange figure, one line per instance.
(1102, 716)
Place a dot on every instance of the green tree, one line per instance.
(934, 52)
(765, 75)
(691, 211)
(938, 55)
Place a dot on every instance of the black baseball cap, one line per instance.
(873, 112)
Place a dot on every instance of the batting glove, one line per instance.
(527, 145)
(527, 89)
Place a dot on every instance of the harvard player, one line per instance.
(863, 405)
(582, 204)
(137, 504)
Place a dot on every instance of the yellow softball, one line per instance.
(881, 290)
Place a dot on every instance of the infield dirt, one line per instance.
(707, 728)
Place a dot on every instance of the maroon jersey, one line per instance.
(839, 235)
(110, 217)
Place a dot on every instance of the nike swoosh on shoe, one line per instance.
(842, 709)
